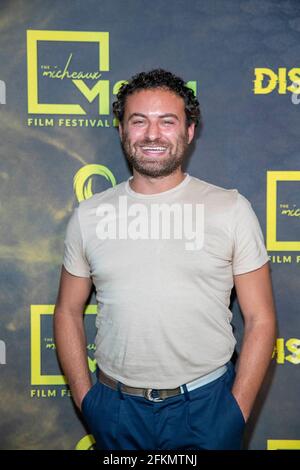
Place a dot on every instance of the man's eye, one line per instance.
(168, 122)
(137, 122)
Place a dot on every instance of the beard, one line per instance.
(155, 166)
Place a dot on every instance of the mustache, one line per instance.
(153, 142)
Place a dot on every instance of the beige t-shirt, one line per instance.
(163, 284)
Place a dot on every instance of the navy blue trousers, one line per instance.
(205, 418)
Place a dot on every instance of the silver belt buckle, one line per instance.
(147, 394)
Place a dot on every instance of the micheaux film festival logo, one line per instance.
(47, 381)
(45, 370)
(283, 215)
(67, 75)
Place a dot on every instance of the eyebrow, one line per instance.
(160, 116)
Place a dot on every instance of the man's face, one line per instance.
(154, 134)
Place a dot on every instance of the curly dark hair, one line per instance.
(159, 78)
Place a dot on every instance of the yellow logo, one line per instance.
(38, 312)
(100, 89)
(280, 444)
(293, 347)
(266, 80)
(83, 179)
(273, 177)
(86, 443)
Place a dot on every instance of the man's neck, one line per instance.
(149, 185)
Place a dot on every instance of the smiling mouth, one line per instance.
(153, 150)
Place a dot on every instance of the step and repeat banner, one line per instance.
(62, 63)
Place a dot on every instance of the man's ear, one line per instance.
(191, 132)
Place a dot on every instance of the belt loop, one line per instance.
(119, 385)
(186, 392)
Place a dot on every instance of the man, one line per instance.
(164, 250)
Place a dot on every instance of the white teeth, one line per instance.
(155, 149)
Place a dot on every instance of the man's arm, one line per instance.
(254, 292)
(69, 332)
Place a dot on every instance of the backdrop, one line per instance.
(61, 65)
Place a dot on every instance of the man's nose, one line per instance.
(153, 131)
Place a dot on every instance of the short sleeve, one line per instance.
(249, 251)
(74, 260)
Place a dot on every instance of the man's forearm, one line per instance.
(254, 359)
(71, 348)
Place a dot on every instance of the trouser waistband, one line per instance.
(161, 394)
